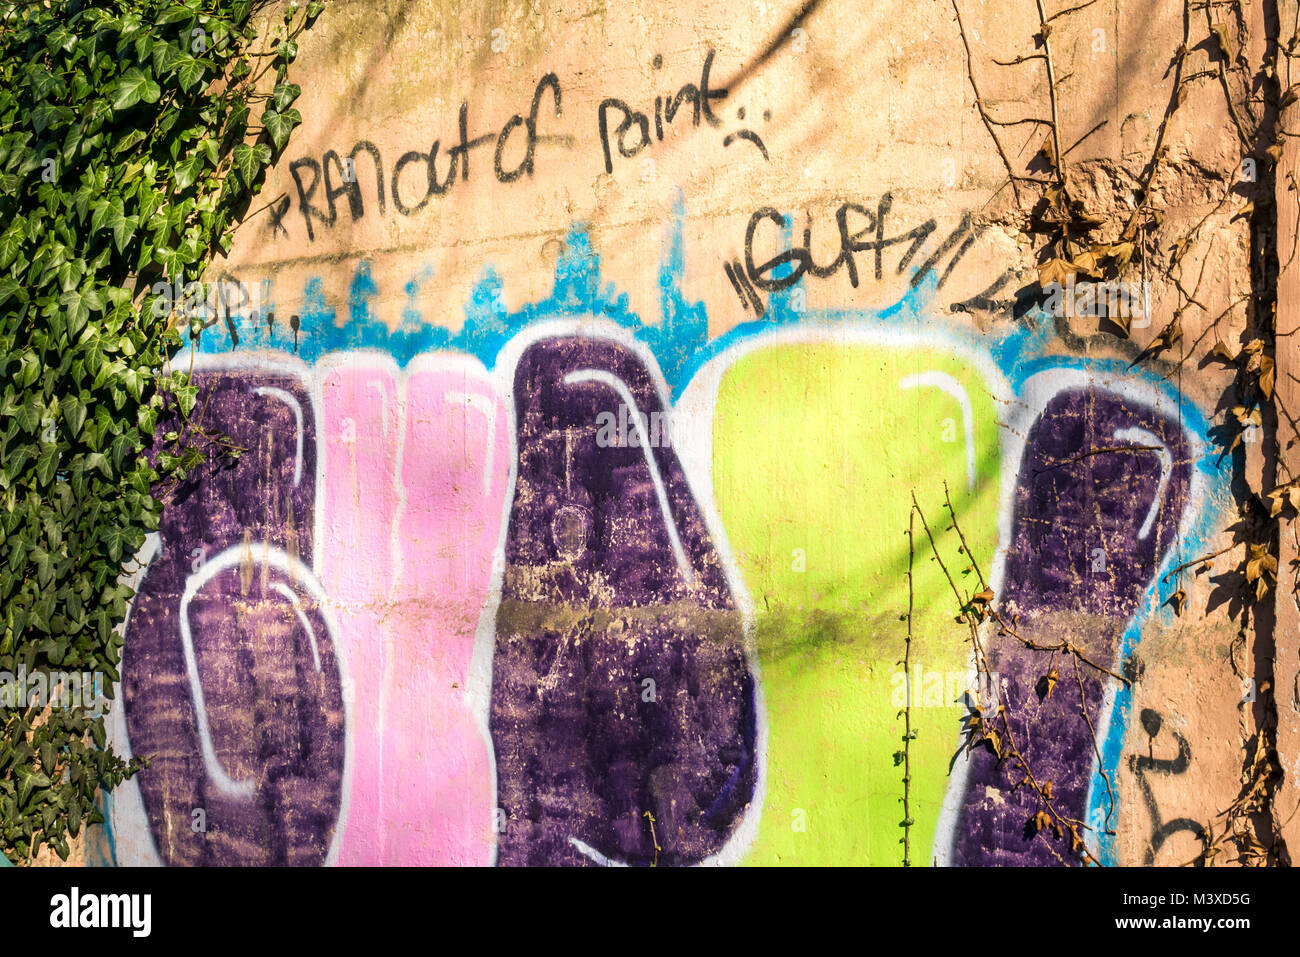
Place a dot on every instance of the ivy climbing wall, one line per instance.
(590, 368)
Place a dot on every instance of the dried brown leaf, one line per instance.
(1221, 35)
(1121, 253)
(1224, 351)
(1055, 271)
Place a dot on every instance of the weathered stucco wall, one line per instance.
(456, 603)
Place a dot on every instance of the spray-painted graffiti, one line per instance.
(320, 184)
(1102, 487)
(389, 485)
(416, 464)
(232, 678)
(335, 177)
(700, 98)
(563, 585)
(858, 230)
(618, 642)
(814, 516)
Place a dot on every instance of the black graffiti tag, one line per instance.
(1140, 764)
(858, 230)
(631, 134)
(337, 176)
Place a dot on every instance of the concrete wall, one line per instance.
(571, 528)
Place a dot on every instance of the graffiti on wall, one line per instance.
(569, 586)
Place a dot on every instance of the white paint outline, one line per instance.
(380, 386)
(290, 594)
(665, 510)
(586, 850)
(1140, 436)
(945, 383)
(124, 811)
(288, 399)
(487, 406)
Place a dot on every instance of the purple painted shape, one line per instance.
(595, 601)
(270, 785)
(269, 493)
(1084, 549)
(1067, 507)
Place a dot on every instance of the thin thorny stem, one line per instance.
(907, 710)
(1010, 748)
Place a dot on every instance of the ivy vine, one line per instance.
(128, 153)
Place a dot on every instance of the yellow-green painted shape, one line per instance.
(816, 451)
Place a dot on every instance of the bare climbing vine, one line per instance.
(904, 757)
(1072, 237)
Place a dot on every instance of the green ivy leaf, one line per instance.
(280, 125)
(74, 413)
(188, 170)
(249, 160)
(8, 289)
(133, 87)
(80, 391)
(11, 242)
(46, 466)
(173, 262)
(190, 71)
(29, 369)
(175, 12)
(165, 57)
(284, 94)
(49, 115)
